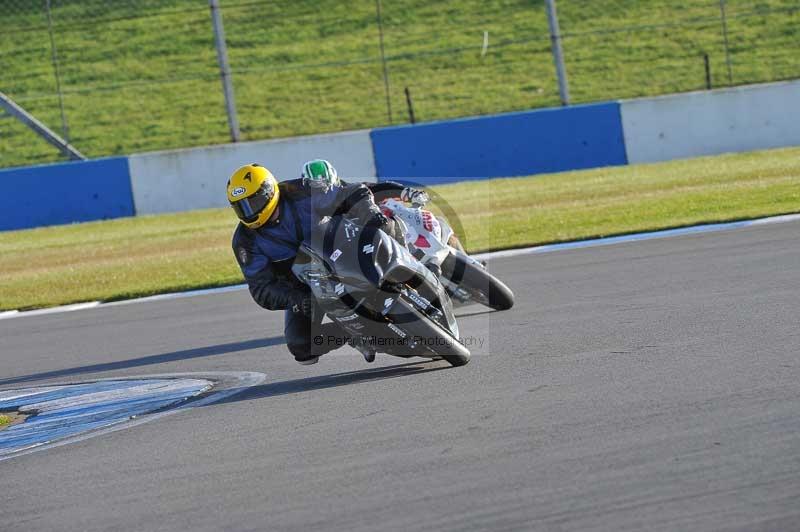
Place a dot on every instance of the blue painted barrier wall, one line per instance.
(514, 144)
(64, 193)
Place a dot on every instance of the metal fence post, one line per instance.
(14, 110)
(724, 18)
(383, 61)
(410, 104)
(56, 71)
(225, 70)
(558, 53)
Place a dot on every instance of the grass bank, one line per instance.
(140, 256)
(140, 76)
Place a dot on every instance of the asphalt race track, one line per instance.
(650, 385)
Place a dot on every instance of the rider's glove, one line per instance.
(414, 196)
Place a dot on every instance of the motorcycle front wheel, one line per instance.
(429, 335)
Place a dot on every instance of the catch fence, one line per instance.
(123, 76)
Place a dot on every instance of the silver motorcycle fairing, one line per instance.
(349, 267)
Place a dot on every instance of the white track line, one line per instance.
(636, 237)
(49, 310)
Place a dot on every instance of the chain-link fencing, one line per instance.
(122, 76)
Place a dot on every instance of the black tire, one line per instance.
(482, 286)
(456, 360)
(435, 340)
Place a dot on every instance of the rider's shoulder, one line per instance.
(243, 235)
(293, 189)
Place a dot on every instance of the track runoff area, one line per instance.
(637, 385)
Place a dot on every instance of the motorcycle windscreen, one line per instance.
(347, 250)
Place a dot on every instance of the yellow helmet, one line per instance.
(253, 193)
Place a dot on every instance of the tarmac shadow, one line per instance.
(476, 313)
(185, 354)
(334, 380)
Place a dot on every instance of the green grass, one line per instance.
(11, 418)
(610, 201)
(6, 420)
(150, 254)
(134, 83)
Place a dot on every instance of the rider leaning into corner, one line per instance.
(274, 219)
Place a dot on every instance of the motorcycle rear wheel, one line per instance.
(482, 286)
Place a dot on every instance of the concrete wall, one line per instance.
(180, 180)
(65, 193)
(707, 123)
(547, 140)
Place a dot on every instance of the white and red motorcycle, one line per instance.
(432, 241)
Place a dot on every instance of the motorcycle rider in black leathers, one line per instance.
(274, 220)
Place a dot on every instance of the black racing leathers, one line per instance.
(266, 254)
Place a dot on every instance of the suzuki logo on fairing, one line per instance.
(369, 248)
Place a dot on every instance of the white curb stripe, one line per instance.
(49, 310)
(775, 219)
(178, 295)
(637, 237)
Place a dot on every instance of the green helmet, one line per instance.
(320, 174)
